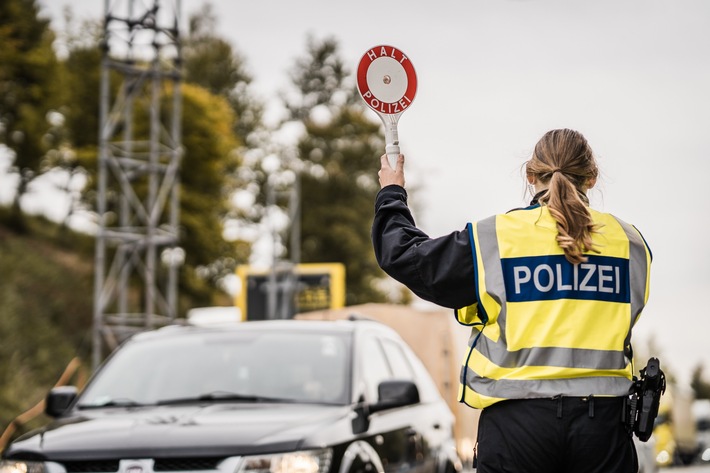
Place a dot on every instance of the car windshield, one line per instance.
(248, 366)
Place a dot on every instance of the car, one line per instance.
(262, 396)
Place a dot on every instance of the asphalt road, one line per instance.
(675, 469)
(687, 469)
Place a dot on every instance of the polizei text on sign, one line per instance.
(386, 107)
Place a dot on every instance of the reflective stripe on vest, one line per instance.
(551, 327)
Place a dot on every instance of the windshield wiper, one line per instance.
(120, 402)
(222, 396)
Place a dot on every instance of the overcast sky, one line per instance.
(493, 76)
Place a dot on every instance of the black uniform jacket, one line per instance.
(439, 270)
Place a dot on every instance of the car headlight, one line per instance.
(20, 466)
(306, 461)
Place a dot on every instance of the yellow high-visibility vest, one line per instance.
(542, 326)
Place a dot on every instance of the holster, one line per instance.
(641, 404)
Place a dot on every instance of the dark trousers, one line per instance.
(559, 435)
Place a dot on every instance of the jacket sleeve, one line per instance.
(439, 270)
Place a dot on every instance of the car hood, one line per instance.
(178, 431)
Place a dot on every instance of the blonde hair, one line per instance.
(563, 161)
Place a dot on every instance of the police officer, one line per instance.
(551, 293)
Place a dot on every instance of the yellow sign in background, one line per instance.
(318, 286)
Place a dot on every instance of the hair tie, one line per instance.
(555, 170)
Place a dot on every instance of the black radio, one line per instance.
(643, 400)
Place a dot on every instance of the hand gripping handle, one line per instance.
(392, 140)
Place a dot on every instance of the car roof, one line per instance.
(353, 326)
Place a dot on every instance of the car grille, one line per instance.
(186, 464)
(108, 466)
(160, 464)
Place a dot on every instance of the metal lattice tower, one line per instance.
(137, 257)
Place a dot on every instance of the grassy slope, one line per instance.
(46, 291)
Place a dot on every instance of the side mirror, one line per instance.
(391, 394)
(59, 399)
(395, 393)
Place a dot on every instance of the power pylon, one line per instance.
(137, 255)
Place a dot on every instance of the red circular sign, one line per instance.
(386, 80)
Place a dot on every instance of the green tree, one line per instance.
(213, 63)
(27, 91)
(207, 169)
(79, 76)
(700, 386)
(207, 177)
(338, 152)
